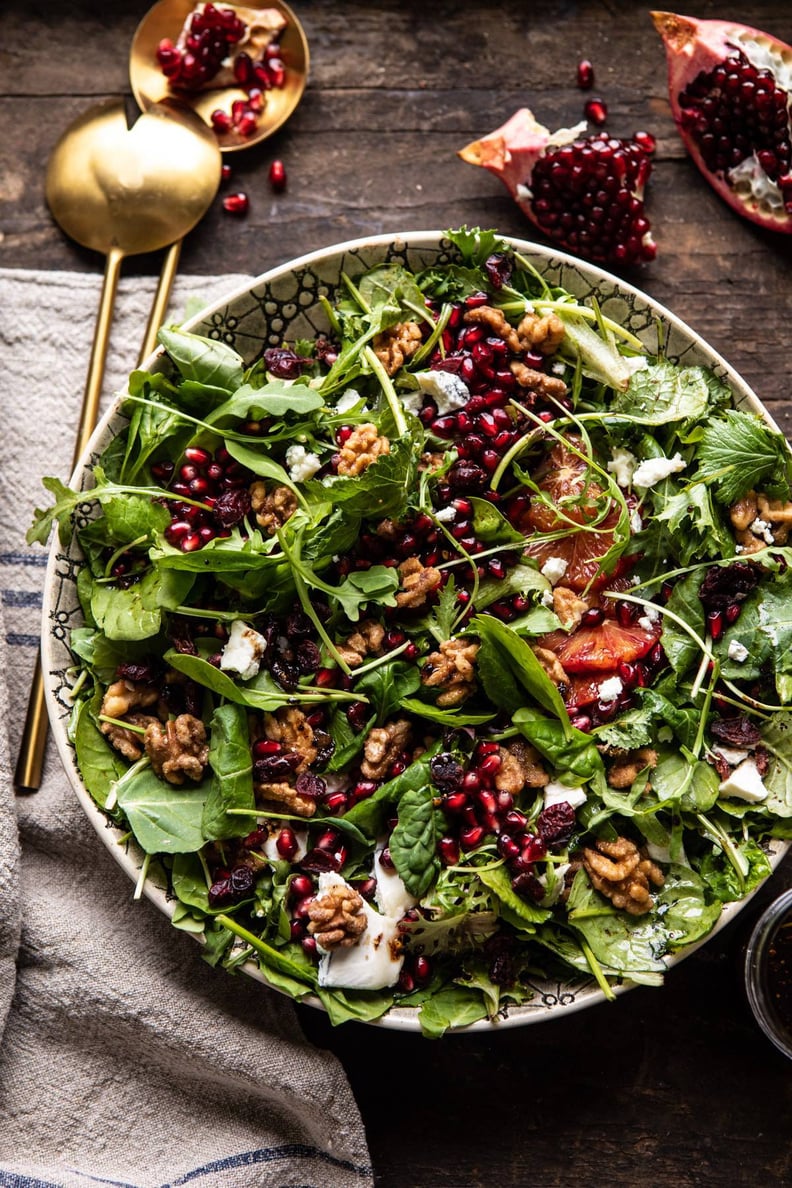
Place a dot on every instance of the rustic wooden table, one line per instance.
(675, 1086)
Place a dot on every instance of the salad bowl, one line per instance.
(294, 304)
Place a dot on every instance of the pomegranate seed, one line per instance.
(188, 544)
(243, 68)
(456, 802)
(593, 617)
(448, 848)
(286, 844)
(733, 613)
(646, 141)
(490, 765)
(221, 122)
(247, 123)
(335, 803)
(585, 75)
(297, 929)
(326, 678)
(487, 748)
(471, 836)
(406, 982)
(365, 887)
(596, 110)
(309, 945)
(266, 746)
(277, 176)
(471, 781)
(715, 623)
(422, 969)
(581, 722)
(236, 204)
(386, 860)
(328, 840)
(507, 847)
(515, 820)
(301, 906)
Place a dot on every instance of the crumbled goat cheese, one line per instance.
(745, 783)
(547, 599)
(609, 690)
(373, 962)
(738, 651)
(554, 569)
(301, 464)
(648, 618)
(732, 755)
(412, 401)
(636, 523)
(654, 470)
(391, 896)
(622, 466)
(448, 391)
(558, 368)
(763, 530)
(348, 400)
(445, 515)
(555, 793)
(244, 651)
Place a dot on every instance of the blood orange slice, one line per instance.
(598, 649)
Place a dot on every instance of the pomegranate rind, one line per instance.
(693, 46)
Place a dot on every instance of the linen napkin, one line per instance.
(124, 1059)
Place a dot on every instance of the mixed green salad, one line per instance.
(442, 653)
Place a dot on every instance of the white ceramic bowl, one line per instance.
(283, 305)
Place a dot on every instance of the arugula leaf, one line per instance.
(476, 246)
(721, 877)
(521, 579)
(777, 739)
(695, 529)
(738, 451)
(377, 584)
(232, 773)
(413, 843)
(662, 392)
(274, 399)
(387, 685)
(137, 612)
(381, 490)
(491, 526)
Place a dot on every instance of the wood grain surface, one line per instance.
(668, 1087)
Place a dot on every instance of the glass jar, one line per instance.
(768, 972)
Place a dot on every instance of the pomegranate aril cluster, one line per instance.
(212, 479)
(212, 35)
(735, 110)
(584, 195)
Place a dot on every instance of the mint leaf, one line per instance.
(737, 452)
(413, 843)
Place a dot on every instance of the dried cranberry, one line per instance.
(527, 885)
(231, 507)
(326, 351)
(220, 893)
(180, 635)
(241, 880)
(446, 771)
(143, 673)
(310, 786)
(498, 268)
(467, 476)
(324, 746)
(285, 674)
(298, 625)
(500, 951)
(308, 656)
(736, 732)
(762, 760)
(284, 363)
(319, 861)
(556, 824)
(268, 768)
(726, 585)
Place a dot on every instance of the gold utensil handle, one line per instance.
(27, 774)
(159, 306)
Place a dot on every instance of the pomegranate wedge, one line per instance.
(584, 192)
(729, 87)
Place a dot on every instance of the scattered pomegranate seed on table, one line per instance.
(585, 75)
(277, 176)
(236, 204)
(596, 110)
(225, 172)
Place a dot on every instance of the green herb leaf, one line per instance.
(232, 773)
(662, 392)
(510, 672)
(207, 361)
(413, 843)
(164, 819)
(737, 452)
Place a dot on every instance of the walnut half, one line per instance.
(622, 872)
(177, 749)
(336, 918)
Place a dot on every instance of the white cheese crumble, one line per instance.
(373, 962)
(448, 391)
(270, 847)
(554, 569)
(732, 755)
(622, 466)
(548, 600)
(445, 515)
(301, 464)
(737, 651)
(654, 470)
(762, 529)
(555, 793)
(412, 401)
(244, 651)
(745, 783)
(348, 400)
(391, 896)
(636, 523)
(610, 689)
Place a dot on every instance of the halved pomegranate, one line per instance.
(584, 192)
(221, 46)
(729, 86)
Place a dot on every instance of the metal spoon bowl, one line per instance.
(149, 84)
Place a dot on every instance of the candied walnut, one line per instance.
(451, 669)
(387, 529)
(536, 381)
(395, 346)
(624, 772)
(337, 918)
(384, 746)
(748, 542)
(569, 607)
(743, 513)
(774, 511)
(178, 748)
(128, 742)
(363, 446)
(272, 508)
(285, 797)
(552, 665)
(123, 696)
(494, 320)
(417, 582)
(290, 727)
(366, 641)
(520, 762)
(623, 873)
(541, 333)
(431, 461)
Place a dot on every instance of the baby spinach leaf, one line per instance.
(261, 693)
(369, 814)
(232, 773)
(662, 392)
(738, 451)
(361, 1005)
(164, 819)
(205, 360)
(137, 612)
(723, 880)
(446, 717)
(681, 650)
(453, 1006)
(413, 843)
(690, 784)
(572, 752)
(275, 399)
(128, 518)
(629, 944)
(100, 765)
(682, 902)
(510, 672)
(387, 685)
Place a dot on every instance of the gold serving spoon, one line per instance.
(120, 191)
